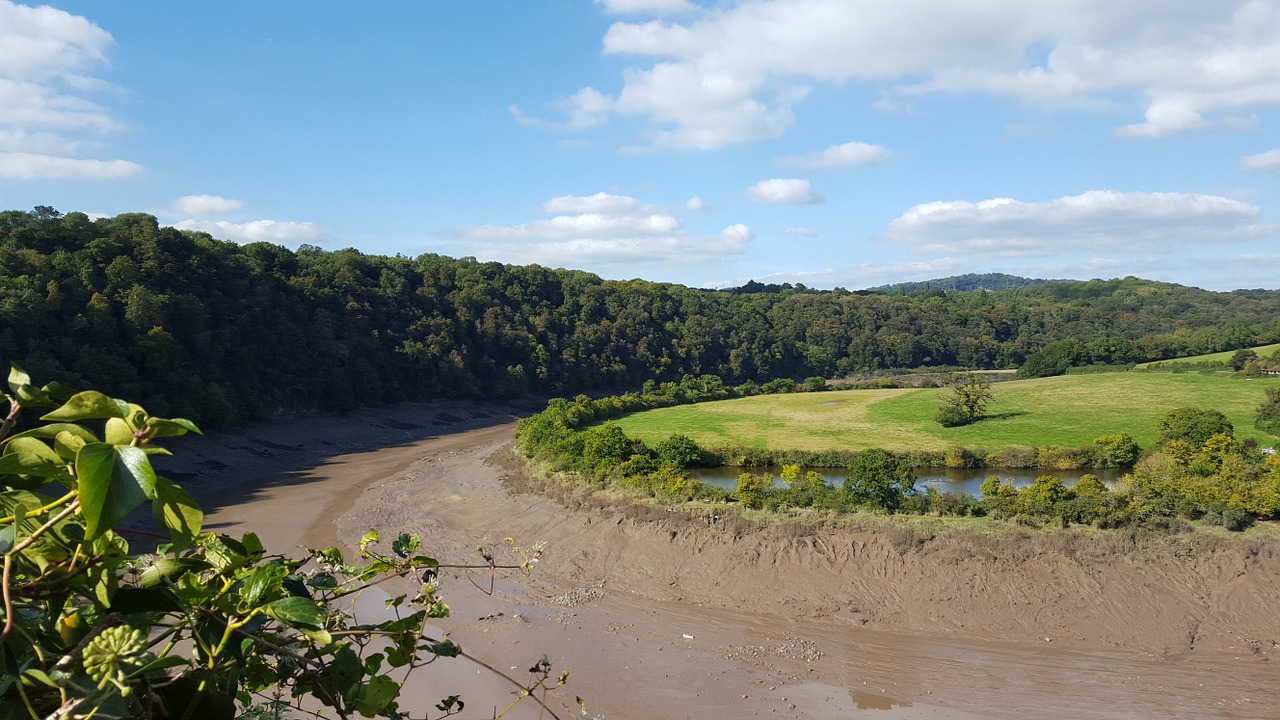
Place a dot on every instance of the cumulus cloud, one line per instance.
(1096, 220)
(850, 154)
(733, 73)
(273, 231)
(45, 55)
(206, 205)
(32, 166)
(647, 7)
(603, 232)
(694, 204)
(1267, 162)
(598, 203)
(856, 277)
(792, 191)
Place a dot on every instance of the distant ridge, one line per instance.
(963, 283)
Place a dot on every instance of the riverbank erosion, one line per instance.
(661, 614)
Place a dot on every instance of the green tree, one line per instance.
(878, 477)
(966, 402)
(752, 489)
(605, 446)
(1268, 416)
(678, 451)
(1193, 425)
(1118, 450)
(1241, 358)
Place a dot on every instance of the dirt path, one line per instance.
(660, 616)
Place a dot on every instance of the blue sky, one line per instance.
(828, 142)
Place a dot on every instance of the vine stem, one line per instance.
(8, 563)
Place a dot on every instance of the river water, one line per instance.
(950, 480)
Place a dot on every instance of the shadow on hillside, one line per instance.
(1003, 416)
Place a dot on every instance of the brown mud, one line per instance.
(659, 614)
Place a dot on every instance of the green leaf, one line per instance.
(31, 396)
(160, 665)
(58, 391)
(174, 509)
(118, 432)
(376, 694)
(17, 378)
(8, 537)
(113, 480)
(89, 405)
(160, 427)
(261, 582)
(297, 612)
(68, 445)
(29, 456)
(52, 430)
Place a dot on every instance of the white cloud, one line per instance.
(800, 232)
(604, 233)
(45, 54)
(793, 191)
(856, 277)
(32, 166)
(647, 7)
(588, 107)
(1267, 162)
(1096, 220)
(694, 204)
(733, 73)
(205, 205)
(273, 231)
(850, 154)
(598, 203)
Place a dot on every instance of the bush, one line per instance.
(207, 626)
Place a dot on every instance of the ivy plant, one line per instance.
(202, 626)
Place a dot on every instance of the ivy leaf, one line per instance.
(174, 509)
(17, 378)
(299, 612)
(29, 456)
(117, 432)
(52, 430)
(89, 405)
(113, 480)
(376, 694)
(161, 427)
(8, 537)
(262, 581)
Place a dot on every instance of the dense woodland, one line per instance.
(186, 323)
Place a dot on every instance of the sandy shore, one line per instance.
(658, 615)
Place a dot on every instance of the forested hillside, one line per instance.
(197, 327)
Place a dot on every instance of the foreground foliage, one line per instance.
(205, 627)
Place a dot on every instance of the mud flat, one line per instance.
(663, 615)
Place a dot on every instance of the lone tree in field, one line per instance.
(966, 402)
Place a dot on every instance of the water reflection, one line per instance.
(950, 480)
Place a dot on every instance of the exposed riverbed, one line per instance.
(660, 615)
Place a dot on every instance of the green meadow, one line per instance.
(1069, 411)
(1219, 357)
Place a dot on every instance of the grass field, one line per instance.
(1222, 357)
(1070, 410)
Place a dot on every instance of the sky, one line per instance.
(834, 143)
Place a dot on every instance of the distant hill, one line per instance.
(963, 283)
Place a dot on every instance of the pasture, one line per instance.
(1069, 411)
(1214, 358)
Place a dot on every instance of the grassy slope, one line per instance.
(1221, 357)
(1069, 411)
